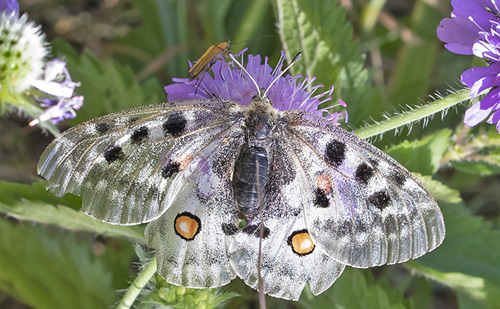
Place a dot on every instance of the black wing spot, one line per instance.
(399, 179)
(320, 198)
(363, 173)
(170, 169)
(229, 229)
(133, 119)
(254, 230)
(140, 134)
(380, 199)
(344, 229)
(335, 153)
(175, 124)
(102, 127)
(113, 153)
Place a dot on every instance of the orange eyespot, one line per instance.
(301, 242)
(208, 59)
(187, 225)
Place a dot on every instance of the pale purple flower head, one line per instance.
(57, 84)
(229, 82)
(474, 29)
(9, 6)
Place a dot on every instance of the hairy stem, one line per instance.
(413, 115)
(136, 287)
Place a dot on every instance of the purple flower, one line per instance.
(58, 110)
(229, 82)
(474, 29)
(56, 80)
(9, 6)
(57, 84)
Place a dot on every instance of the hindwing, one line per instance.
(188, 238)
(289, 258)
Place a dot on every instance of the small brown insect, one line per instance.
(207, 60)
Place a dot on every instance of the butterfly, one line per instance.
(209, 175)
(207, 60)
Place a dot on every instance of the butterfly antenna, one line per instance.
(244, 70)
(295, 59)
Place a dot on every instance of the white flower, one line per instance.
(22, 52)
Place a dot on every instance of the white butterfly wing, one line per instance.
(188, 238)
(130, 165)
(363, 208)
(289, 259)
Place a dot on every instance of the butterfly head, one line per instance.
(261, 96)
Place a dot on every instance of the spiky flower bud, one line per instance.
(22, 52)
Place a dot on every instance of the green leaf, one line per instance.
(106, 85)
(422, 156)
(51, 269)
(487, 165)
(413, 72)
(468, 260)
(476, 288)
(320, 31)
(439, 190)
(356, 289)
(34, 203)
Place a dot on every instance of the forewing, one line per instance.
(288, 257)
(188, 238)
(363, 208)
(128, 166)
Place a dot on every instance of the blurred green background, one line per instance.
(383, 57)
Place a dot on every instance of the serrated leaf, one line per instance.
(301, 31)
(488, 165)
(476, 288)
(422, 156)
(468, 260)
(49, 270)
(35, 203)
(357, 289)
(320, 31)
(439, 190)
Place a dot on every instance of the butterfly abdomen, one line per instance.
(249, 179)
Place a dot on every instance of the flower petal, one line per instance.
(481, 78)
(479, 111)
(482, 49)
(227, 81)
(9, 6)
(459, 38)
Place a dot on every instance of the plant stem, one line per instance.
(136, 287)
(414, 115)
